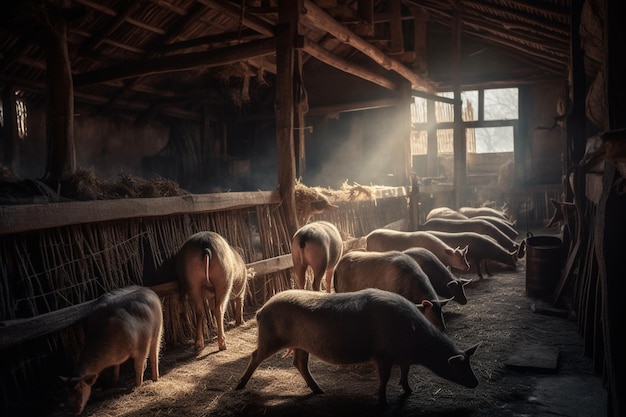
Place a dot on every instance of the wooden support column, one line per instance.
(610, 220)
(286, 36)
(395, 24)
(419, 40)
(61, 157)
(460, 144)
(9, 130)
(432, 148)
(403, 168)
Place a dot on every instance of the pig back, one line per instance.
(373, 322)
(390, 271)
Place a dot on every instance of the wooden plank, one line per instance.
(16, 331)
(25, 218)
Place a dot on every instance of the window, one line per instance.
(21, 113)
(490, 117)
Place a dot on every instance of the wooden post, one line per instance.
(286, 34)
(419, 39)
(460, 144)
(9, 130)
(403, 168)
(432, 152)
(61, 158)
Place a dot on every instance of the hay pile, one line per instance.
(84, 185)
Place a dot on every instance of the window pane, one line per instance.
(445, 141)
(419, 142)
(494, 139)
(445, 112)
(418, 110)
(501, 104)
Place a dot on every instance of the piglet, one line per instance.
(347, 328)
(208, 267)
(124, 323)
(390, 271)
(318, 245)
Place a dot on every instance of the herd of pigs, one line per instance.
(381, 303)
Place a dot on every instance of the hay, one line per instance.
(85, 186)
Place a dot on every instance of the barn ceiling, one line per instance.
(152, 58)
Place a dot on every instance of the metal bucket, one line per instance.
(543, 265)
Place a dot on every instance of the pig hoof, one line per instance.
(222, 346)
(199, 346)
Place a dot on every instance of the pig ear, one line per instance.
(470, 351)
(452, 283)
(465, 281)
(445, 301)
(456, 359)
(426, 304)
(465, 249)
(449, 251)
(90, 379)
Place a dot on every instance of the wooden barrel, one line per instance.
(543, 265)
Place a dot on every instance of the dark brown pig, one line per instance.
(471, 225)
(126, 323)
(318, 245)
(481, 249)
(375, 325)
(208, 267)
(442, 279)
(381, 240)
(390, 271)
(482, 211)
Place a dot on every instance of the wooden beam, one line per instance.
(30, 217)
(224, 56)
(286, 36)
(317, 19)
(334, 61)
(460, 143)
(234, 12)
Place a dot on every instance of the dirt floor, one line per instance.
(498, 314)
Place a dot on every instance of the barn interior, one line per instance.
(126, 126)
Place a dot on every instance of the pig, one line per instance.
(208, 267)
(443, 281)
(506, 227)
(376, 325)
(481, 249)
(482, 211)
(123, 324)
(471, 225)
(445, 213)
(381, 240)
(390, 271)
(318, 245)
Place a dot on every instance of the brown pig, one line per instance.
(124, 323)
(471, 225)
(390, 271)
(445, 213)
(481, 249)
(208, 267)
(381, 240)
(440, 276)
(318, 245)
(347, 328)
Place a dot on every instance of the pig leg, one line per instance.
(116, 374)
(329, 278)
(239, 310)
(384, 372)
(300, 271)
(140, 366)
(155, 347)
(258, 356)
(219, 317)
(301, 362)
(317, 278)
(404, 379)
(196, 300)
